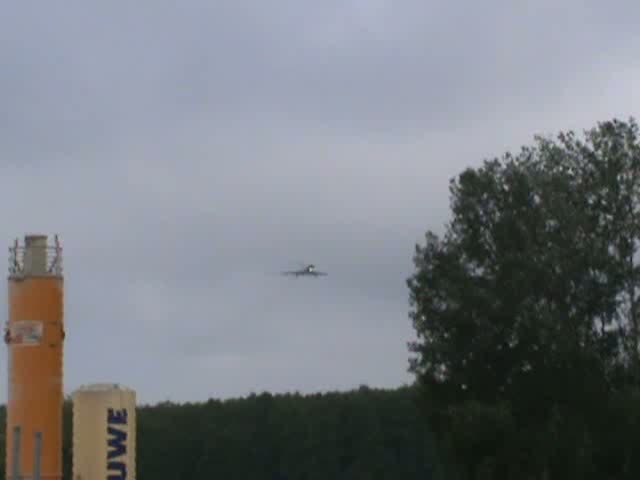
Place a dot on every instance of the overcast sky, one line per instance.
(187, 152)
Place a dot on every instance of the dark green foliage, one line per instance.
(363, 434)
(527, 312)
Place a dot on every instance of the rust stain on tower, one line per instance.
(35, 336)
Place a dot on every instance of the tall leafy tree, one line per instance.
(526, 308)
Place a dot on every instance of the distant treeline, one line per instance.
(362, 434)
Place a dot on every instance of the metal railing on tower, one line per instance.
(35, 257)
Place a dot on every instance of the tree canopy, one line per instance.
(362, 434)
(527, 312)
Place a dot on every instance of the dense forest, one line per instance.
(361, 434)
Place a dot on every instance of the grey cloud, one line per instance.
(107, 72)
(188, 152)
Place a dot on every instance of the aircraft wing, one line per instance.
(290, 273)
(320, 274)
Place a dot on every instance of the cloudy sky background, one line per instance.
(187, 152)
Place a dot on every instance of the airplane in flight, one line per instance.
(309, 270)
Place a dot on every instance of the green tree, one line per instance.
(526, 309)
(365, 433)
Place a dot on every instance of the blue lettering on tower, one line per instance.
(116, 444)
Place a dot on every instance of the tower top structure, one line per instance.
(35, 257)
